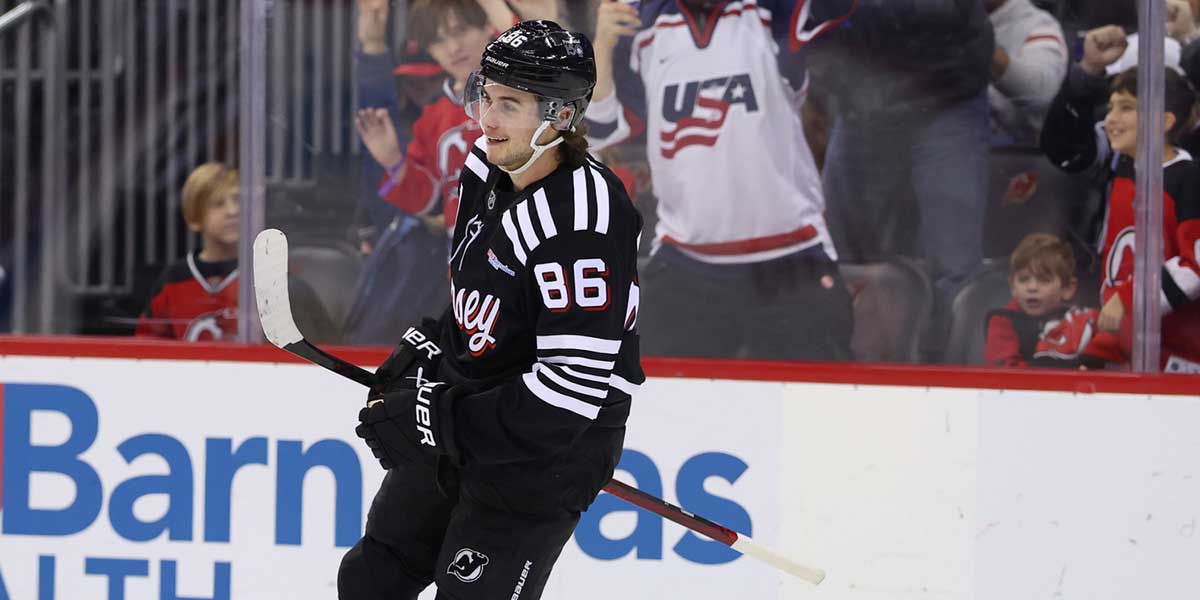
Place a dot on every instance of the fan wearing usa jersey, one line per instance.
(500, 423)
(741, 243)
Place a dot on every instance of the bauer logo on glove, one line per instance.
(408, 425)
(422, 410)
(412, 363)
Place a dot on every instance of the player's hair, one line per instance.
(574, 150)
(426, 17)
(1044, 254)
(1180, 98)
(206, 181)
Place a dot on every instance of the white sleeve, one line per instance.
(607, 125)
(1036, 71)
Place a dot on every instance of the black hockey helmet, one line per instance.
(542, 58)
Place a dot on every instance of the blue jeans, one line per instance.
(879, 167)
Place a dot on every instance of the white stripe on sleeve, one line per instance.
(552, 375)
(606, 365)
(581, 199)
(477, 167)
(578, 342)
(553, 398)
(532, 241)
(543, 212)
(511, 231)
(620, 383)
(576, 373)
(601, 202)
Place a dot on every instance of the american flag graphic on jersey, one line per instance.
(698, 110)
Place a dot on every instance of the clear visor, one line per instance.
(496, 106)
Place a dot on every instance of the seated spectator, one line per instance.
(196, 298)
(1028, 66)
(1076, 143)
(1040, 327)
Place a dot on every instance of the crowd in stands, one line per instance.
(795, 159)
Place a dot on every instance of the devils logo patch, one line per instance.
(467, 565)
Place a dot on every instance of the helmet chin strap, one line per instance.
(538, 150)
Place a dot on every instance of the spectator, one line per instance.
(742, 264)
(1075, 143)
(1040, 327)
(1182, 25)
(907, 83)
(1181, 21)
(1028, 66)
(424, 180)
(406, 268)
(196, 298)
(406, 263)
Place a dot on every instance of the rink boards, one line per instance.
(195, 479)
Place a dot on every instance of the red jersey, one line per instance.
(1181, 244)
(442, 138)
(194, 301)
(1059, 339)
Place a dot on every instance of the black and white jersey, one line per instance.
(544, 300)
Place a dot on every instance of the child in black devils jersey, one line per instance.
(196, 298)
(500, 423)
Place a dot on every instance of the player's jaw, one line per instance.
(507, 149)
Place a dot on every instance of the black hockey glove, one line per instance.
(411, 425)
(412, 364)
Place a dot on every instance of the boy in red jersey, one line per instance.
(196, 298)
(1040, 327)
(1074, 142)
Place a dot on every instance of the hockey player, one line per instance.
(500, 423)
(740, 224)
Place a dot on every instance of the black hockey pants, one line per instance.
(482, 533)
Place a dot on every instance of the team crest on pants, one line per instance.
(467, 565)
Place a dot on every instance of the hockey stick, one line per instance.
(275, 312)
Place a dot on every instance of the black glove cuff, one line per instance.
(413, 362)
(435, 419)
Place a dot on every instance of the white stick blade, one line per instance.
(749, 547)
(271, 288)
